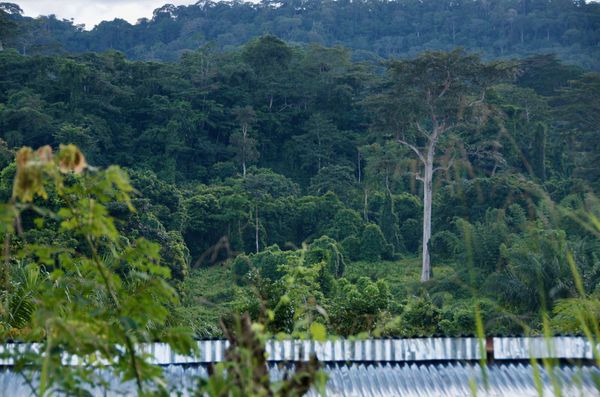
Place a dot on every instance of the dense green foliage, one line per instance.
(270, 173)
(374, 28)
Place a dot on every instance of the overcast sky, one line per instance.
(91, 12)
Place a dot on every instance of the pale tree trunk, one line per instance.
(366, 206)
(319, 151)
(387, 181)
(244, 139)
(453, 33)
(256, 229)
(427, 157)
(427, 203)
(359, 171)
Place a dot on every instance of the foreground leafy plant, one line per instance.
(89, 303)
(245, 371)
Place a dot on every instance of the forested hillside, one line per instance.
(308, 182)
(306, 157)
(372, 28)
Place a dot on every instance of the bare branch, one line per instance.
(423, 130)
(446, 85)
(414, 149)
(446, 167)
(477, 101)
(417, 176)
(285, 106)
(437, 131)
(429, 98)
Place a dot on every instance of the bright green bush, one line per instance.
(358, 307)
(420, 317)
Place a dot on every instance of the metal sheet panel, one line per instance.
(565, 347)
(383, 380)
(456, 380)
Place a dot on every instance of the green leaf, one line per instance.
(39, 222)
(318, 331)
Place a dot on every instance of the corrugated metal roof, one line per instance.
(455, 379)
(563, 347)
(383, 367)
(341, 350)
(373, 350)
(423, 380)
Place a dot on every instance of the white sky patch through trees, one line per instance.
(92, 12)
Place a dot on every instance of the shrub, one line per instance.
(269, 262)
(347, 222)
(327, 250)
(419, 318)
(240, 267)
(411, 234)
(351, 248)
(443, 245)
(357, 307)
(372, 243)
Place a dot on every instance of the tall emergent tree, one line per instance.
(426, 104)
(242, 144)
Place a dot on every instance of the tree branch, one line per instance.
(446, 167)
(434, 137)
(414, 149)
(417, 176)
(434, 121)
(480, 100)
(446, 85)
(422, 130)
